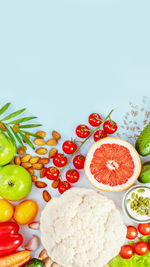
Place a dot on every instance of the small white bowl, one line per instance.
(124, 204)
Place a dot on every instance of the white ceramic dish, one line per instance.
(133, 216)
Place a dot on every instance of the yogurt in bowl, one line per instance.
(136, 203)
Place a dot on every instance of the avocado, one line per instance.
(143, 142)
(135, 261)
(34, 263)
(145, 173)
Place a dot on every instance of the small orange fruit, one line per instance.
(26, 211)
(6, 210)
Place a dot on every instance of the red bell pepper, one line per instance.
(10, 239)
(7, 228)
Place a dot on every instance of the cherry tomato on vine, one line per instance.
(131, 232)
(82, 131)
(126, 252)
(110, 127)
(52, 173)
(141, 248)
(144, 228)
(72, 176)
(59, 160)
(99, 135)
(95, 119)
(78, 161)
(69, 147)
(63, 186)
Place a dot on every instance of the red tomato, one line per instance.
(95, 119)
(69, 147)
(72, 176)
(99, 135)
(82, 131)
(8, 228)
(10, 243)
(141, 248)
(110, 127)
(63, 186)
(78, 161)
(126, 252)
(144, 228)
(131, 232)
(52, 173)
(59, 160)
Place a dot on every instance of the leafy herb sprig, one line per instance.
(15, 128)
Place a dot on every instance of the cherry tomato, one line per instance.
(82, 131)
(131, 232)
(63, 186)
(141, 248)
(110, 127)
(59, 160)
(78, 161)
(52, 173)
(126, 252)
(144, 228)
(72, 176)
(95, 119)
(69, 147)
(99, 135)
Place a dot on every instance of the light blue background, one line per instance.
(63, 59)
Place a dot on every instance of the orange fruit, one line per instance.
(26, 211)
(112, 164)
(6, 210)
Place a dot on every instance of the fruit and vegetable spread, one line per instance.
(82, 227)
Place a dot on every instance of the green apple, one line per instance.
(7, 149)
(15, 182)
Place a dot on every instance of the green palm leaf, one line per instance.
(14, 114)
(15, 132)
(4, 108)
(10, 135)
(29, 126)
(26, 139)
(18, 138)
(32, 134)
(22, 120)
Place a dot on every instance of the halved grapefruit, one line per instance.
(112, 164)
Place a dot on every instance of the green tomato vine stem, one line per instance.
(79, 147)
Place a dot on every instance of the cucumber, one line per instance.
(145, 173)
(143, 142)
(34, 263)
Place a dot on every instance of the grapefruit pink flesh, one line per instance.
(112, 164)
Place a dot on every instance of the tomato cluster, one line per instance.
(141, 247)
(70, 148)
